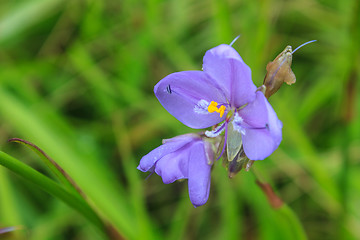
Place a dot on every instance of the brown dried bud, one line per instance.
(279, 71)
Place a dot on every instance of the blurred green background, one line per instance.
(76, 78)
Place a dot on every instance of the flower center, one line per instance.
(213, 108)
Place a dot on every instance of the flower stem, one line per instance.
(297, 229)
(282, 209)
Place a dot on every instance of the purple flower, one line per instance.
(183, 157)
(224, 95)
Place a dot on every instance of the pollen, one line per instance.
(213, 108)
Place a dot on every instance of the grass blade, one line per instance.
(52, 188)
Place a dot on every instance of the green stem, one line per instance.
(284, 211)
(344, 184)
(52, 188)
(296, 226)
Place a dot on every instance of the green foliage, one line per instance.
(76, 79)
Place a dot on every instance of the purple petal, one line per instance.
(173, 166)
(180, 92)
(264, 133)
(258, 144)
(183, 137)
(275, 125)
(149, 160)
(199, 175)
(229, 72)
(255, 113)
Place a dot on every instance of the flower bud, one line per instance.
(238, 163)
(279, 71)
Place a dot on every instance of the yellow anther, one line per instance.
(213, 108)
(222, 110)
